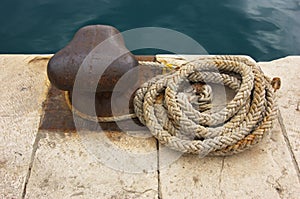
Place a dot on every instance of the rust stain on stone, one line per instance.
(39, 59)
(57, 116)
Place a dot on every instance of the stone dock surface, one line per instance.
(38, 161)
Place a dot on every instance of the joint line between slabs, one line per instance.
(33, 153)
(288, 143)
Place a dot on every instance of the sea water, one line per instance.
(263, 29)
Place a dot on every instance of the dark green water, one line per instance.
(263, 29)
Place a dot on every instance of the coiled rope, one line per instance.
(191, 123)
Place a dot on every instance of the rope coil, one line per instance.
(179, 111)
(172, 118)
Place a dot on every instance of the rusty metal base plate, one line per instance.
(58, 117)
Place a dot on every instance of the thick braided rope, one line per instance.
(191, 126)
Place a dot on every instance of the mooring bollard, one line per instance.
(64, 65)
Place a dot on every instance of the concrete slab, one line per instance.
(288, 99)
(54, 164)
(16, 139)
(265, 171)
(65, 168)
(23, 86)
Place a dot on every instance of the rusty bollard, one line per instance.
(64, 65)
